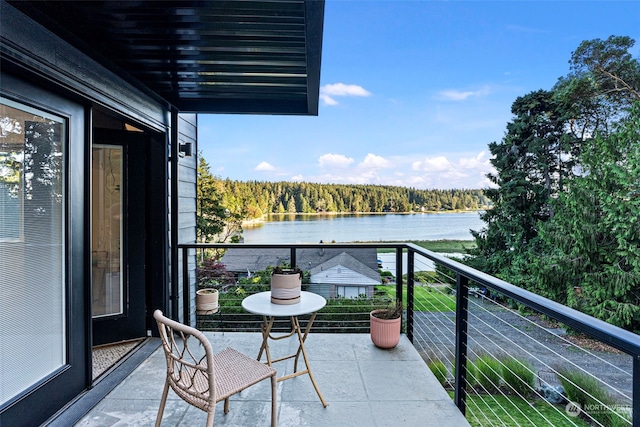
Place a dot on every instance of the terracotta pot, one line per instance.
(285, 288)
(207, 301)
(385, 333)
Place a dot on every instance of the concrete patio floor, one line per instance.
(363, 386)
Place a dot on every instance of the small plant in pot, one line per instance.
(385, 325)
(212, 277)
(286, 285)
(207, 301)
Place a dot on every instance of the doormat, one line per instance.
(105, 356)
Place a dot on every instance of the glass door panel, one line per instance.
(107, 231)
(32, 247)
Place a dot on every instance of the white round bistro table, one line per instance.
(310, 303)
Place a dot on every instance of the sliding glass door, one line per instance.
(106, 240)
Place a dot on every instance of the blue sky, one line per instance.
(412, 92)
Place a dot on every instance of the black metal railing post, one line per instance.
(462, 303)
(410, 293)
(635, 403)
(294, 261)
(186, 291)
(399, 274)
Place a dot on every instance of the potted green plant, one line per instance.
(286, 285)
(385, 325)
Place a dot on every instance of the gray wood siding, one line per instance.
(187, 177)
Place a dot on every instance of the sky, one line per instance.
(412, 92)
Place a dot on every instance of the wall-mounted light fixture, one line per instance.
(184, 149)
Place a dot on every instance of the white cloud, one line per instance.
(373, 161)
(334, 160)
(432, 164)
(441, 171)
(459, 95)
(264, 166)
(329, 91)
(453, 171)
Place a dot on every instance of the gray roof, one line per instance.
(241, 260)
(344, 269)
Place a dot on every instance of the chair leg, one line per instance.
(274, 401)
(210, 414)
(163, 401)
(226, 405)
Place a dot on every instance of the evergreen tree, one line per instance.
(214, 222)
(530, 170)
(593, 244)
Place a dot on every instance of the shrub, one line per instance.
(487, 372)
(210, 272)
(588, 392)
(472, 375)
(471, 379)
(439, 369)
(518, 375)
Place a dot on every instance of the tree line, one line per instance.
(253, 199)
(565, 221)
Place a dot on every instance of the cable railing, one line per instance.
(506, 355)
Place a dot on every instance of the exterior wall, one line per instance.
(187, 177)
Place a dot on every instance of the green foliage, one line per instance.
(214, 221)
(532, 162)
(490, 411)
(567, 196)
(439, 370)
(594, 240)
(423, 277)
(442, 246)
(588, 392)
(256, 198)
(426, 299)
(264, 276)
(211, 273)
(518, 375)
(392, 311)
(487, 372)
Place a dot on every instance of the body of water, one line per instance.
(290, 228)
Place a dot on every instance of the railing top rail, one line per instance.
(616, 337)
(612, 335)
(292, 245)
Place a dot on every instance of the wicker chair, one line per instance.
(202, 380)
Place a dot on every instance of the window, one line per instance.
(31, 246)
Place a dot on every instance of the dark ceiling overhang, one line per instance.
(243, 56)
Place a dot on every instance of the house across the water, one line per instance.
(334, 272)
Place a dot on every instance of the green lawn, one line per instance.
(512, 411)
(426, 298)
(442, 246)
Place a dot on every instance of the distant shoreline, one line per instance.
(255, 221)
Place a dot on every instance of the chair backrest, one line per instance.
(190, 367)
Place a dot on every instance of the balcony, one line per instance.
(464, 324)
(363, 385)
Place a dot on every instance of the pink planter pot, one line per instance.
(385, 333)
